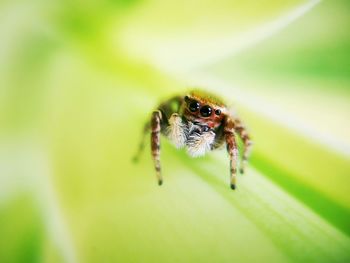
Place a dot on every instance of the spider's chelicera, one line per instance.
(200, 122)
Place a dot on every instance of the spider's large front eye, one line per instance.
(194, 106)
(206, 111)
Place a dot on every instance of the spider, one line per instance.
(200, 122)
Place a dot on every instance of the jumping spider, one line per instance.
(199, 121)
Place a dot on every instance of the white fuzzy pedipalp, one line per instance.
(199, 144)
(176, 131)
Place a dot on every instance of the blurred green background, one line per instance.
(78, 79)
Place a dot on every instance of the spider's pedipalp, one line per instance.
(200, 140)
(176, 131)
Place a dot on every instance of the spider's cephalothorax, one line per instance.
(200, 122)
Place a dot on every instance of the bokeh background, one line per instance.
(78, 79)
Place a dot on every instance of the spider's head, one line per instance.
(204, 109)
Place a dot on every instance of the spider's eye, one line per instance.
(218, 112)
(194, 106)
(206, 111)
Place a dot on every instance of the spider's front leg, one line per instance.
(155, 142)
(231, 149)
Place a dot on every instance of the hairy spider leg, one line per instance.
(145, 132)
(243, 134)
(232, 150)
(155, 142)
